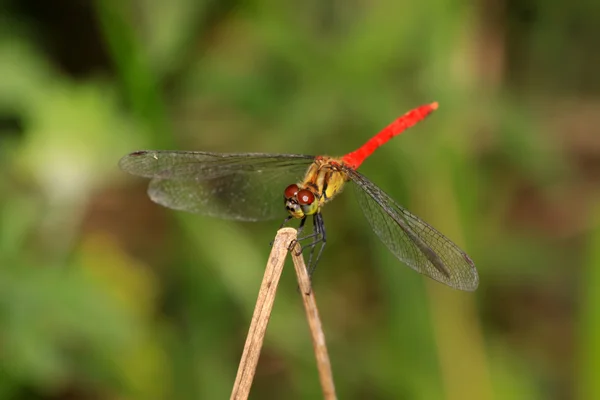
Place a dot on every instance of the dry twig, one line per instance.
(285, 239)
(314, 323)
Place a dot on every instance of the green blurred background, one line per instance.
(105, 295)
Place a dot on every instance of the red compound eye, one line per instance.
(305, 197)
(291, 191)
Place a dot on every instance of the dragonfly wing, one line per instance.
(412, 240)
(241, 186)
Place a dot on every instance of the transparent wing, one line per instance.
(243, 186)
(413, 241)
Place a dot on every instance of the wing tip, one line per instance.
(475, 282)
(123, 162)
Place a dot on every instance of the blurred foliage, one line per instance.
(105, 295)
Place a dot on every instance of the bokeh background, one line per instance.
(105, 295)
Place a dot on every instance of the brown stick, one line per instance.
(314, 323)
(262, 313)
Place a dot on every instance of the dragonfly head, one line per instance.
(300, 202)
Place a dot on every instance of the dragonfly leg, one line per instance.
(320, 228)
(315, 233)
(313, 245)
(318, 237)
(285, 221)
(297, 240)
(301, 226)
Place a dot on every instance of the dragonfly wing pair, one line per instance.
(240, 186)
(249, 187)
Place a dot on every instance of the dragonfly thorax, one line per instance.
(323, 180)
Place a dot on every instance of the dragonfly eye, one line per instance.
(291, 191)
(305, 197)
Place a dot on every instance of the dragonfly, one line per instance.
(248, 187)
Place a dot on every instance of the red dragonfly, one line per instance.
(247, 187)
